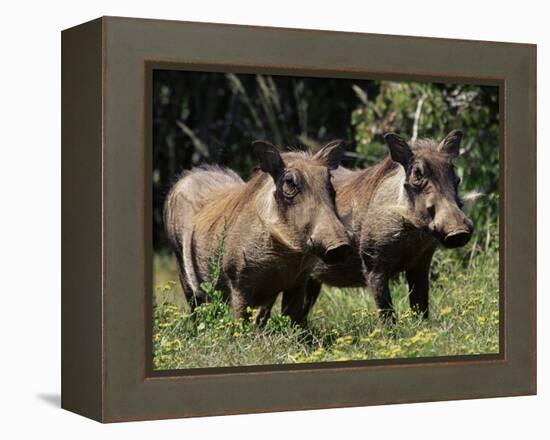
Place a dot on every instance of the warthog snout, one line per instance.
(330, 240)
(453, 228)
(457, 238)
(337, 253)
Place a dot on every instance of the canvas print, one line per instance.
(306, 219)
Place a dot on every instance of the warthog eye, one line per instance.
(289, 186)
(417, 177)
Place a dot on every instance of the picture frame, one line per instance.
(106, 221)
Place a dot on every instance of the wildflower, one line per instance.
(344, 340)
(374, 333)
(394, 351)
(417, 337)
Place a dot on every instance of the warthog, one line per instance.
(274, 227)
(399, 211)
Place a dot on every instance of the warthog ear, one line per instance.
(269, 158)
(330, 155)
(451, 144)
(400, 150)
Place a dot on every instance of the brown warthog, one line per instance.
(274, 226)
(398, 210)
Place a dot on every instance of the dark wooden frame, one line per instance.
(106, 194)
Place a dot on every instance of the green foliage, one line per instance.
(279, 324)
(344, 325)
(215, 267)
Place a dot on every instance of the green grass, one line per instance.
(344, 324)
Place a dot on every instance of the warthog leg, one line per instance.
(298, 301)
(264, 313)
(313, 289)
(418, 279)
(240, 306)
(378, 282)
(292, 304)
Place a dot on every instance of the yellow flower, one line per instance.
(344, 340)
(374, 333)
(394, 351)
(417, 337)
(422, 337)
(446, 311)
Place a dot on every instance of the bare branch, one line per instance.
(417, 115)
(199, 145)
